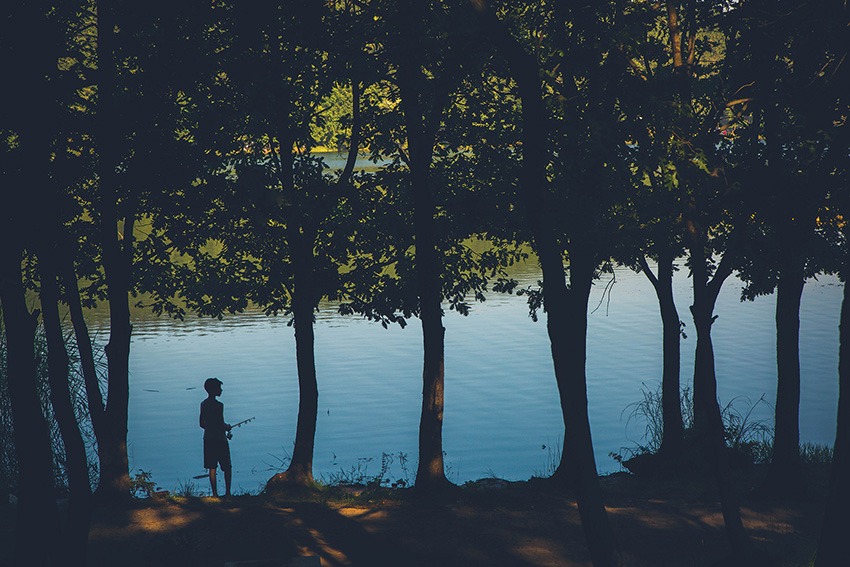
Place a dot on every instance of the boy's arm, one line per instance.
(224, 423)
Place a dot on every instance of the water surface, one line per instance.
(502, 415)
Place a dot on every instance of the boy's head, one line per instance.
(212, 386)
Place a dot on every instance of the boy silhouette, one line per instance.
(216, 448)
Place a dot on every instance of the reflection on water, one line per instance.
(501, 399)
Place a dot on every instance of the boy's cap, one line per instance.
(210, 383)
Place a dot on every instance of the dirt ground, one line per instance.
(488, 523)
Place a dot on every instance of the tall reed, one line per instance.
(8, 460)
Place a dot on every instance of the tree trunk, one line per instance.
(76, 531)
(673, 435)
(708, 422)
(682, 62)
(84, 346)
(784, 474)
(430, 472)
(37, 533)
(301, 240)
(300, 468)
(567, 327)
(708, 425)
(566, 310)
(112, 444)
(24, 177)
(832, 551)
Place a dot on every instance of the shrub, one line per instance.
(750, 440)
(142, 484)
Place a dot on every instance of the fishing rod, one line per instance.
(243, 422)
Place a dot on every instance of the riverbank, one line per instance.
(486, 523)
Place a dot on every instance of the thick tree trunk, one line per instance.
(784, 474)
(112, 442)
(566, 310)
(672, 440)
(567, 327)
(76, 530)
(37, 532)
(25, 175)
(832, 551)
(300, 468)
(708, 425)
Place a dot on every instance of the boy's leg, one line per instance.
(213, 483)
(226, 467)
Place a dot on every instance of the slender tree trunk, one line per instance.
(708, 422)
(305, 301)
(112, 442)
(784, 474)
(430, 472)
(832, 550)
(76, 530)
(37, 533)
(94, 396)
(300, 468)
(672, 440)
(682, 62)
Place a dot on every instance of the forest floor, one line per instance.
(486, 523)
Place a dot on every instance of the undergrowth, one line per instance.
(79, 401)
(358, 473)
(749, 439)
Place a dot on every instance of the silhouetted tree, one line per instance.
(655, 203)
(565, 306)
(781, 125)
(426, 56)
(33, 200)
(713, 221)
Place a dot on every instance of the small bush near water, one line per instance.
(142, 484)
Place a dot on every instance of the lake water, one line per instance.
(502, 416)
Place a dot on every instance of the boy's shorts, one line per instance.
(216, 451)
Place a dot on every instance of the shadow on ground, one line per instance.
(669, 523)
